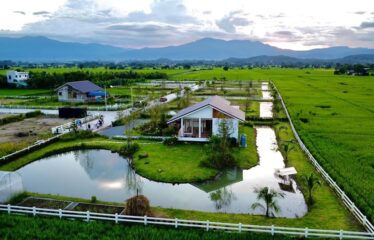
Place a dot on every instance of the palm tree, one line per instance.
(287, 148)
(311, 182)
(269, 197)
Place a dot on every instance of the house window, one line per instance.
(60, 93)
(191, 127)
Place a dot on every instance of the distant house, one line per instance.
(17, 78)
(201, 121)
(80, 91)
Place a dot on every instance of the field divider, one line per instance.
(345, 199)
(174, 223)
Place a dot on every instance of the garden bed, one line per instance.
(98, 208)
(44, 203)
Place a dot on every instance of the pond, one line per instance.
(107, 176)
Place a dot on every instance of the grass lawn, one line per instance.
(28, 227)
(23, 92)
(165, 163)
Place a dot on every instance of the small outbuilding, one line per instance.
(80, 91)
(10, 185)
(19, 79)
(200, 121)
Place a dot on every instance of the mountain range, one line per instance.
(42, 49)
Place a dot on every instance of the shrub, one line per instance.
(33, 114)
(171, 141)
(143, 155)
(79, 135)
(129, 149)
(138, 206)
(93, 199)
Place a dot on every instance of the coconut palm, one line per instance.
(269, 197)
(287, 147)
(311, 182)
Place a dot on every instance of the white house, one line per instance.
(17, 78)
(201, 121)
(80, 91)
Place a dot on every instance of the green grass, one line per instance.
(23, 92)
(165, 162)
(339, 130)
(28, 227)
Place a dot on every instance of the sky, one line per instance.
(291, 24)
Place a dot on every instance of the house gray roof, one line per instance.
(84, 86)
(216, 102)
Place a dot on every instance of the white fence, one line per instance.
(30, 147)
(207, 225)
(347, 202)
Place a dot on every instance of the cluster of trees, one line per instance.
(51, 80)
(354, 70)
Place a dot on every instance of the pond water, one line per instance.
(107, 176)
(266, 109)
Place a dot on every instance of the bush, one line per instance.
(93, 199)
(79, 135)
(129, 149)
(33, 114)
(171, 141)
(138, 206)
(143, 155)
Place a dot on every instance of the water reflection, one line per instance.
(107, 176)
(222, 198)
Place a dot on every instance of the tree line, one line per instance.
(43, 79)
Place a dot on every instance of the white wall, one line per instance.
(233, 123)
(206, 112)
(18, 78)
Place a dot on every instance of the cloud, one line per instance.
(231, 21)
(360, 12)
(20, 12)
(41, 13)
(367, 25)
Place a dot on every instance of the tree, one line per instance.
(220, 148)
(311, 182)
(287, 147)
(225, 68)
(269, 196)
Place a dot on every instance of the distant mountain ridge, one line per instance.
(45, 49)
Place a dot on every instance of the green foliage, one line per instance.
(84, 134)
(269, 197)
(310, 182)
(171, 141)
(93, 199)
(138, 206)
(19, 117)
(129, 149)
(43, 228)
(220, 148)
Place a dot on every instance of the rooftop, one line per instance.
(216, 102)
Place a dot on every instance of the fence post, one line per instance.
(240, 227)
(207, 225)
(9, 210)
(60, 213)
(88, 216)
(176, 223)
(34, 211)
(145, 220)
(306, 232)
(116, 217)
(272, 230)
(341, 234)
